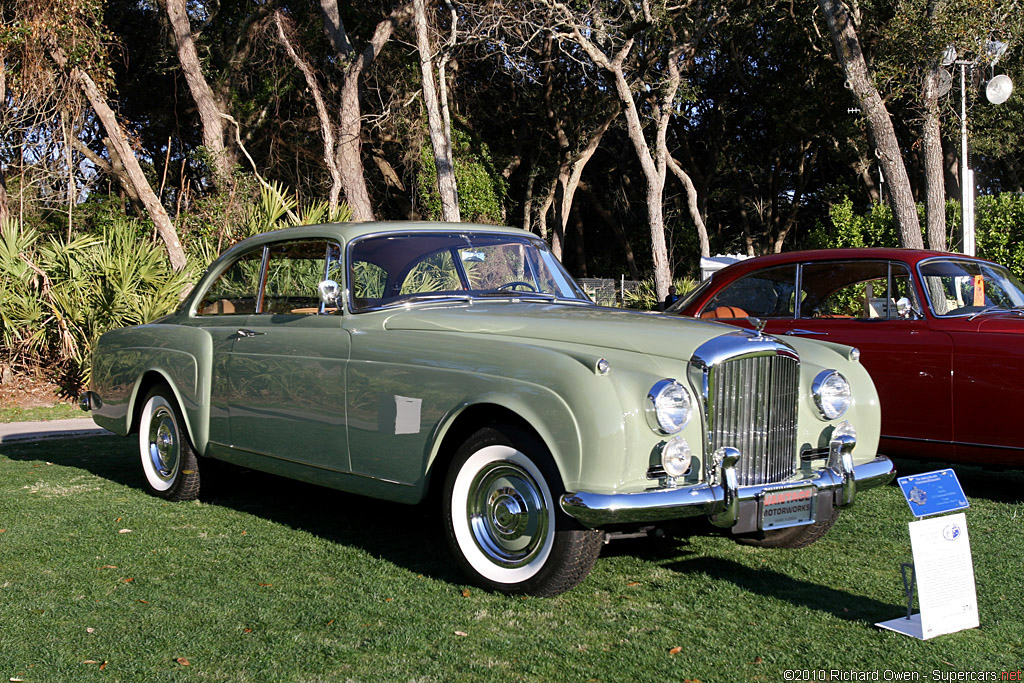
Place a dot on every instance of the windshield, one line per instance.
(397, 268)
(963, 287)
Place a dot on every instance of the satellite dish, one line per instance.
(999, 89)
(943, 83)
(949, 55)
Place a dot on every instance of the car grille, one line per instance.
(751, 404)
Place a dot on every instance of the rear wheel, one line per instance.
(792, 537)
(503, 520)
(169, 462)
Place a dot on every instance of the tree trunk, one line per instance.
(691, 204)
(573, 169)
(348, 155)
(558, 234)
(334, 27)
(440, 139)
(120, 146)
(5, 210)
(934, 180)
(787, 223)
(209, 107)
(653, 168)
(326, 125)
(848, 50)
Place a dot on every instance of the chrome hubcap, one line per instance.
(507, 515)
(163, 445)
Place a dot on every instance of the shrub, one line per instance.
(57, 296)
(998, 228)
(643, 297)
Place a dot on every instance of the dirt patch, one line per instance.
(27, 392)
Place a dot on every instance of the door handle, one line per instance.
(244, 333)
(810, 332)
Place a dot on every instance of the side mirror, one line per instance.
(904, 309)
(330, 293)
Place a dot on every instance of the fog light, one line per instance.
(844, 428)
(676, 457)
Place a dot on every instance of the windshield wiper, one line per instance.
(500, 294)
(427, 296)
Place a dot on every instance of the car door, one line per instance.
(988, 358)
(223, 311)
(287, 364)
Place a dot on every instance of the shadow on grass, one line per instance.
(411, 537)
(772, 584)
(996, 485)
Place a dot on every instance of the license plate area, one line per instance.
(785, 507)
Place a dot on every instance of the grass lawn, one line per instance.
(15, 413)
(271, 580)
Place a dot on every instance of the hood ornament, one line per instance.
(758, 328)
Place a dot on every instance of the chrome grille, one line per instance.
(752, 406)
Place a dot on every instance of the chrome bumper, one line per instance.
(720, 500)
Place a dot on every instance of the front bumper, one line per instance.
(722, 500)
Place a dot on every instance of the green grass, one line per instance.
(58, 411)
(271, 580)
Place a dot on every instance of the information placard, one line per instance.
(944, 571)
(933, 493)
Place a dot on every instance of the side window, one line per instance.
(235, 291)
(294, 269)
(862, 290)
(765, 294)
(902, 288)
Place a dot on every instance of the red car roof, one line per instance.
(909, 256)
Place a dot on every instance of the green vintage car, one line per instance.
(397, 359)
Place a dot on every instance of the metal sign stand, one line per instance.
(942, 572)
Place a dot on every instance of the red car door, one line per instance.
(988, 364)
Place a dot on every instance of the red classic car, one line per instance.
(939, 333)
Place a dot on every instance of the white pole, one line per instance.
(966, 174)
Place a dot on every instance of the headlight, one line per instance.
(676, 457)
(832, 394)
(668, 406)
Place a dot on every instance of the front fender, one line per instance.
(128, 362)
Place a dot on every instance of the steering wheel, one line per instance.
(517, 283)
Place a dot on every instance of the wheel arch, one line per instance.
(149, 380)
(463, 423)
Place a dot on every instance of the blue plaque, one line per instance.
(932, 493)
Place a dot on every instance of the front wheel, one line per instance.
(503, 521)
(168, 459)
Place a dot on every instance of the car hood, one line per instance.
(611, 328)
